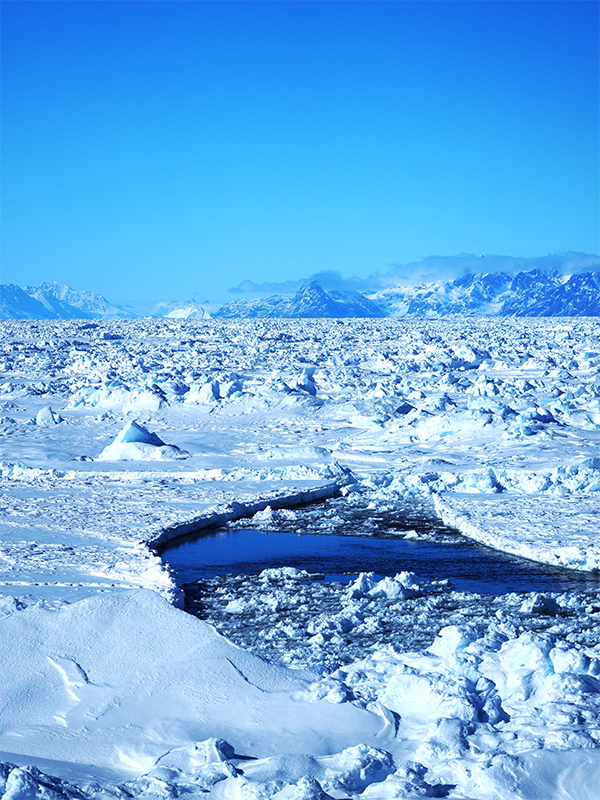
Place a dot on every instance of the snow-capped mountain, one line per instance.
(15, 303)
(535, 293)
(309, 301)
(254, 308)
(54, 300)
(526, 294)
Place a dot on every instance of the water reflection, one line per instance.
(468, 566)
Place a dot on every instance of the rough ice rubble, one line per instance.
(115, 394)
(476, 699)
(303, 622)
(348, 772)
(212, 765)
(500, 411)
(522, 688)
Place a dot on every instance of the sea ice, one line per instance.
(46, 416)
(391, 688)
(136, 443)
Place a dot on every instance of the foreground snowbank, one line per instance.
(120, 680)
(159, 703)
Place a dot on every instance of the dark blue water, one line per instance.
(468, 566)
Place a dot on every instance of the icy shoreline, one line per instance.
(496, 421)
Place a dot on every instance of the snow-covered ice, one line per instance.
(136, 443)
(117, 436)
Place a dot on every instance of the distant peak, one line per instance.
(311, 287)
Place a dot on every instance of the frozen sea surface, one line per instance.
(117, 436)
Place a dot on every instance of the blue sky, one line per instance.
(162, 150)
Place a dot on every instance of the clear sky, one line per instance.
(162, 150)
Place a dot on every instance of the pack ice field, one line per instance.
(120, 679)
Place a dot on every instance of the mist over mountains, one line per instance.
(527, 294)
(560, 285)
(428, 270)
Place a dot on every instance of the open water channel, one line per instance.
(338, 541)
(309, 617)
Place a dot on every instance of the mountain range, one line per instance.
(54, 300)
(534, 293)
(309, 301)
(526, 294)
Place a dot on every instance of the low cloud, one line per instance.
(426, 270)
(256, 289)
(447, 268)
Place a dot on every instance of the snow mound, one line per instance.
(136, 443)
(121, 680)
(306, 777)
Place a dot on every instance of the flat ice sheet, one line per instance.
(559, 530)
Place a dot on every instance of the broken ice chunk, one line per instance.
(540, 604)
(136, 443)
(46, 417)
(402, 587)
